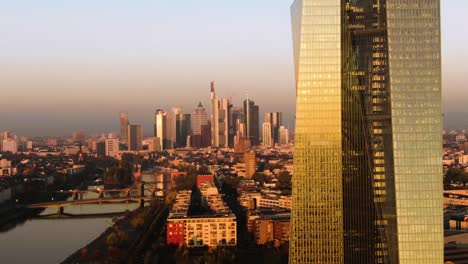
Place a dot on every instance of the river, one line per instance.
(53, 240)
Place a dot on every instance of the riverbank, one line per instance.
(118, 243)
(12, 214)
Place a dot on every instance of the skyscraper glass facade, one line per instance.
(368, 176)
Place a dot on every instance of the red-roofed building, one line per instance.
(204, 179)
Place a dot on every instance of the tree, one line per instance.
(453, 175)
(230, 184)
(259, 177)
(186, 182)
(284, 180)
(464, 178)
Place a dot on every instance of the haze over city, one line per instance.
(266, 131)
(75, 65)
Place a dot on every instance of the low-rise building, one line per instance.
(254, 200)
(267, 230)
(6, 169)
(75, 169)
(218, 228)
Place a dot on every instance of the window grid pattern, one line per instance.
(317, 214)
(415, 80)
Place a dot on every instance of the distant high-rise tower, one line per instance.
(223, 126)
(169, 132)
(251, 113)
(6, 135)
(183, 128)
(160, 124)
(135, 137)
(250, 164)
(266, 135)
(367, 185)
(237, 125)
(123, 126)
(79, 137)
(214, 117)
(220, 116)
(154, 144)
(176, 113)
(283, 136)
(10, 145)
(199, 127)
(276, 120)
(112, 147)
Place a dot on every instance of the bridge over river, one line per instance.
(133, 194)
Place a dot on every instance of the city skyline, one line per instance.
(64, 87)
(285, 131)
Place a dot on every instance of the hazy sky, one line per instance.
(68, 65)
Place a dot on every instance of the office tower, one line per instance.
(283, 135)
(154, 145)
(223, 123)
(241, 134)
(169, 132)
(135, 137)
(199, 124)
(214, 117)
(236, 125)
(367, 186)
(240, 148)
(206, 135)
(250, 163)
(266, 135)
(183, 128)
(276, 120)
(7, 135)
(176, 114)
(123, 126)
(112, 147)
(9, 145)
(220, 120)
(101, 148)
(92, 145)
(251, 113)
(79, 137)
(160, 123)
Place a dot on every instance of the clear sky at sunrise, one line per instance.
(68, 65)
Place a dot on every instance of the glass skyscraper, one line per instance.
(367, 186)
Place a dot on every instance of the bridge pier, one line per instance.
(60, 210)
